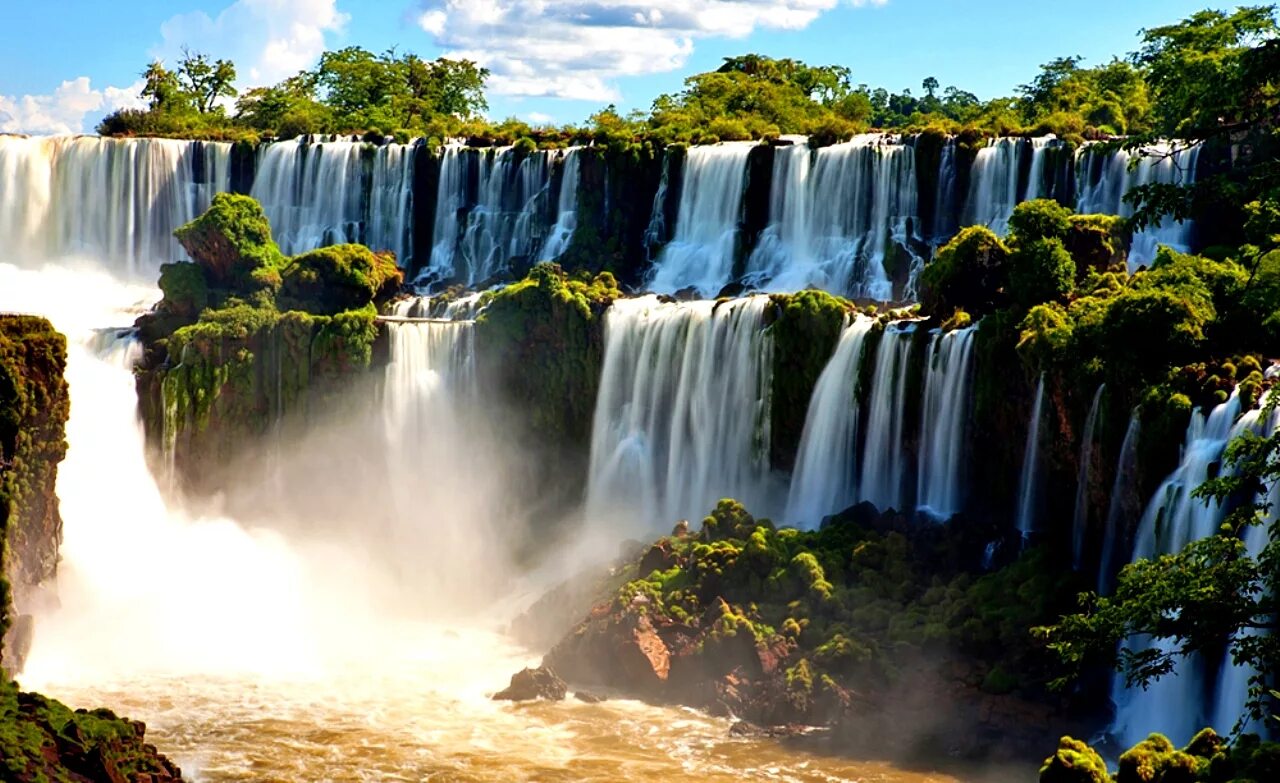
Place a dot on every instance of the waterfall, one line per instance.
(948, 376)
(1176, 705)
(566, 209)
(881, 482)
(837, 217)
(505, 223)
(824, 480)
(390, 224)
(1035, 179)
(432, 364)
(655, 234)
(1233, 680)
(116, 199)
(993, 185)
(1080, 519)
(682, 416)
(701, 254)
(323, 190)
(1113, 533)
(944, 206)
(1028, 484)
(1104, 179)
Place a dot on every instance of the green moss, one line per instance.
(540, 345)
(804, 331)
(338, 278)
(1040, 270)
(34, 404)
(1074, 762)
(232, 243)
(1155, 760)
(185, 290)
(969, 273)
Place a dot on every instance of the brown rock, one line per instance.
(530, 684)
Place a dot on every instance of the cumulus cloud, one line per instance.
(66, 109)
(268, 40)
(574, 48)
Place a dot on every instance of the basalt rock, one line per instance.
(531, 684)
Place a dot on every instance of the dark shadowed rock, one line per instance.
(530, 684)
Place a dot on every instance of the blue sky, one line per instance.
(65, 63)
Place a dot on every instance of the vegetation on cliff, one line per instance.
(43, 741)
(540, 345)
(783, 626)
(1207, 758)
(34, 405)
(245, 335)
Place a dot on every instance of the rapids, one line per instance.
(256, 655)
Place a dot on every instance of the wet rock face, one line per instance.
(531, 684)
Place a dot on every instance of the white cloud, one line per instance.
(66, 109)
(268, 40)
(574, 48)
(538, 118)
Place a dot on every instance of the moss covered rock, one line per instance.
(338, 278)
(804, 331)
(1074, 762)
(232, 242)
(34, 404)
(43, 741)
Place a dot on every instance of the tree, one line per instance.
(1214, 592)
(162, 88)
(205, 82)
(930, 86)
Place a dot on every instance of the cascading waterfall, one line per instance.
(825, 477)
(451, 200)
(506, 222)
(1080, 518)
(837, 216)
(117, 199)
(940, 487)
(1104, 179)
(324, 191)
(1112, 534)
(1028, 485)
(682, 416)
(1233, 680)
(883, 465)
(701, 254)
(1177, 704)
(993, 185)
(566, 209)
(944, 202)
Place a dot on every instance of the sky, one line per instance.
(66, 63)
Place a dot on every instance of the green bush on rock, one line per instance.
(338, 278)
(232, 242)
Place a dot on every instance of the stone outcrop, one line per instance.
(33, 412)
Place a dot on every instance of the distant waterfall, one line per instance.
(836, 216)
(566, 209)
(431, 362)
(1080, 518)
(682, 416)
(321, 191)
(1177, 704)
(882, 479)
(1104, 179)
(945, 213)
(1028, 485)
(1233, 680)
(701, 254)
(1112, 533)
(117, 199)
(505, 223)
(940, 488)
(993, 185)
(825, 477)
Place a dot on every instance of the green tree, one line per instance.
(204, 81)
(162, 89)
